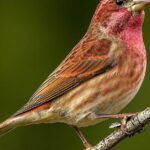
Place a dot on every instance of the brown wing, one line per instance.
(86, 60)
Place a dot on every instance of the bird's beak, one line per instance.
(139, 5)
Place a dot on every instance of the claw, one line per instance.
(115, 125)
(88, 148)
(124, 118)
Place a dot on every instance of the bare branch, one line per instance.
(134, 125)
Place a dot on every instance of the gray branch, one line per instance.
(133, 126)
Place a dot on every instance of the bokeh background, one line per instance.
(35, 36)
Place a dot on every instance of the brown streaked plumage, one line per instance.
(76, 69)
(101, 75)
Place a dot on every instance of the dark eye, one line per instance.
(119, 2)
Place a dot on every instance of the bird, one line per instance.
(98, 78)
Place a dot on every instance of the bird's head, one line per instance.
(117, 15)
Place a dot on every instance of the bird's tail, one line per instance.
(25, 119)
(7, 126)
(12, 123)
(21, 120)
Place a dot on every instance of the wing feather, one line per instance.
(86, 60)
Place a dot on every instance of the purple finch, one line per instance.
(99, 77)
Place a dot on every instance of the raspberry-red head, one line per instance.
(116, 15)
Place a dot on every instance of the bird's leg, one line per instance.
(81, 136)
(124, 118)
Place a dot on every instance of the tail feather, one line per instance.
(7, 126)
(17, 121)
(12, 123)
(21, 120)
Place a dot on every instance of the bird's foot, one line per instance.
(122, 125)
(88, 147)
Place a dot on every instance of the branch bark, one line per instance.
(133, 126)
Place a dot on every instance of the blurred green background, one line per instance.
(35, 36)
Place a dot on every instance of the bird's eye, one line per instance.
(119, 2)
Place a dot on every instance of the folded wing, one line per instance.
(89, 58)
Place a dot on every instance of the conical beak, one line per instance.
(139, 5)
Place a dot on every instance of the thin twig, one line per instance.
(133, 126)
